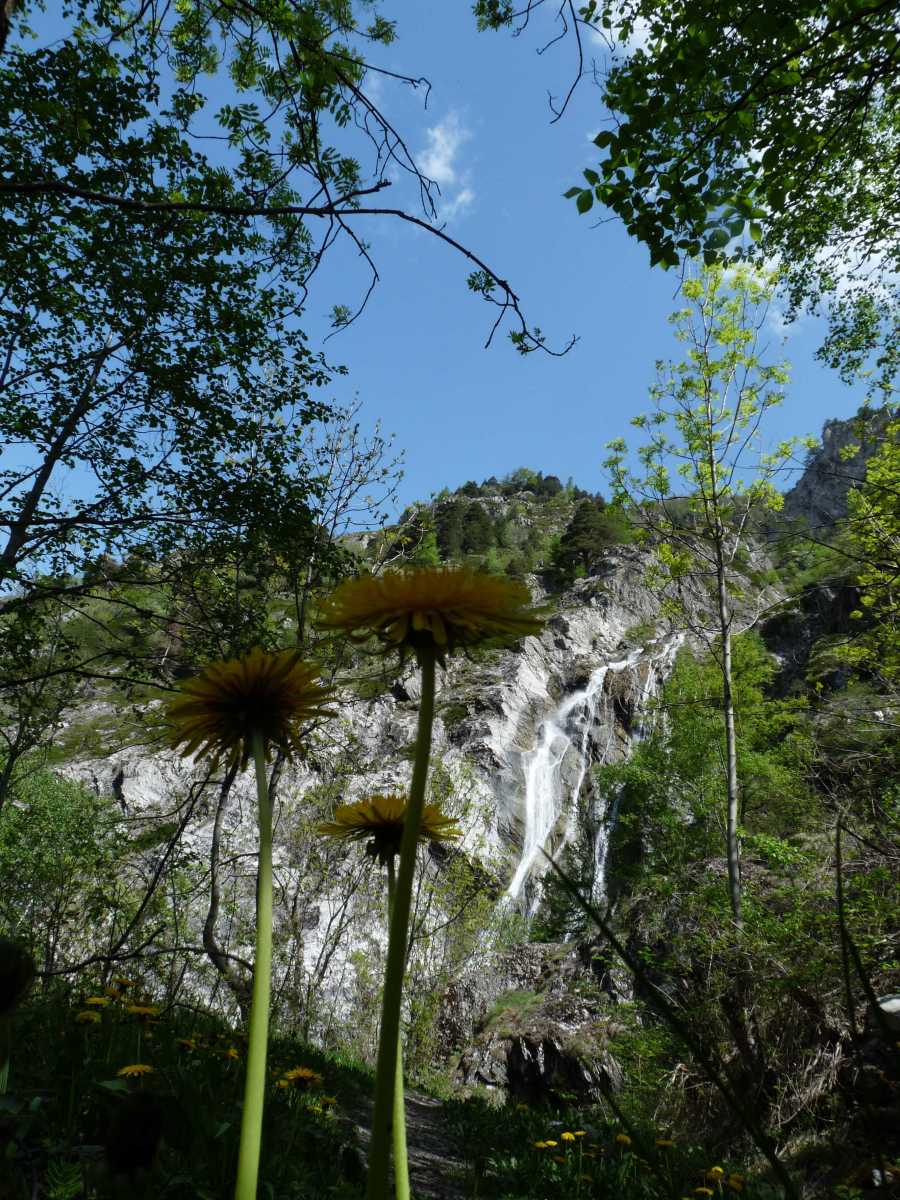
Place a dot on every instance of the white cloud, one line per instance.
(440, 162)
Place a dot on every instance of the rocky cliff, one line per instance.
(820, 495)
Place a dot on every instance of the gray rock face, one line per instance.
(515, 735)
(820, 495)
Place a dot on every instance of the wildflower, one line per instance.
(736, 1182)
(113, 992)
(622, 1139)
(232, 1053)
(703, 1191)
(540, 1145)
(97, 1001)
(381, 819)
(567, 1136)
(328, 1101)
(88, 1017)
(522, 1108)
(143, 1012)
(665, 1143)
(122, 982)
(432, 608)
(282, 1083)
(17, 973)
(302, 1077)
(580, 1133)
(135, 1070)
(549, 1142)
(715, 1173)
(268, 695)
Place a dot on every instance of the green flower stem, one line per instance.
(5, 1052)
(386, 1070)
(255, 1084)
(401, 1158)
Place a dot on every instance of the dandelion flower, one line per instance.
(540, 1145)
(736, 1182)
(232, 1053)
(432, 608)
(143, 1012)
(622, 1139)
(703, 1191)
(134, 1070)
(97, 1001)
(328, 1101)
(567, 1136)
(122, 982)
(302, 1077)
(113, 992)
(221, 710)
(715, 1173)
(380, 819)
(580, 1133)
(549, 1142)
(665, 1143)
(88, 1017)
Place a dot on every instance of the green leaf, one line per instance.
(585, 200)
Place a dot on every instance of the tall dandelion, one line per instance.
(430, 612)
(232, 712)
(379, 821)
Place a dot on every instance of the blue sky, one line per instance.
(416, 354)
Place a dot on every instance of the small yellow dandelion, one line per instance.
(328, 1101)
(550, 1142)
(113, 992)
(715, 1173)
(134, 1070)
(97, 1001)
(122, 982)
(581, 1133)
(665, 1143)
(736, 1183)
(567, 1136)
(232, 1053)
(143, 1012)
(540, 1145)
(703, 1191)
(622, 1139)
(302, 1077)
(282, 1083)
(522, 1108)
(88, 1017)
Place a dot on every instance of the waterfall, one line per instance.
(550, 790)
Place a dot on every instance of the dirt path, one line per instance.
(436, 1167)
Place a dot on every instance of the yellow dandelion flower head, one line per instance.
(432, 608)
(135, 1070)
(567, 1136)
(521, 1108)
(703, 1191)
(715, 1173)
(97, 1001)
(379, 820)
(540, 1145)
(328, 1101)
(122, 982)
(736, 1183)
(88, 1017)
(302, 1077)
(143, 1012)
(114, 992)
(219, 712)
(580, 1133)
(622, 1139)
(232, 1053)
(283, 1083)
(549, 1142)
(665, 1143)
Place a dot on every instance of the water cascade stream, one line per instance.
(552, 790)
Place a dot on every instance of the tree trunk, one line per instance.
(731, 774)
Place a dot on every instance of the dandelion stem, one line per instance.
(401, 1159)
(386, 1070)
(255, 1084)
